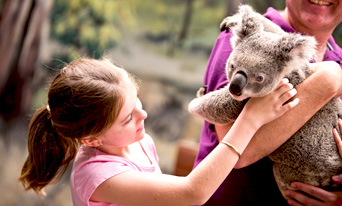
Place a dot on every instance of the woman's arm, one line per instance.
(324, 84)
(137, 188)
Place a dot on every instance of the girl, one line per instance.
(95, 115)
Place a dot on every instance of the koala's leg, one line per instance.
(311, 154)
(216, 107)
(282, 182)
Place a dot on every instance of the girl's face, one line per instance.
(129, 126)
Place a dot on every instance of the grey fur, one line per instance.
(263, 51)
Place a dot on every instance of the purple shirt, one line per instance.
(252, 185)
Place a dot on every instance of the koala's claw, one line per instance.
(201, 91)
(224, 24)
(229, 22)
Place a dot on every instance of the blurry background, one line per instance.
(166, 43)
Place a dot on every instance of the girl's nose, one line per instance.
(143, 114)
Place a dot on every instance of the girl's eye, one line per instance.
(129, 118)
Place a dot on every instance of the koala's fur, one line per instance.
(262, 55)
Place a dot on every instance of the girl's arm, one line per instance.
(137, 188)
(324, 84)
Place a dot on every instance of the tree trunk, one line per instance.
(20, 35)
(186, 21)
(232, 5)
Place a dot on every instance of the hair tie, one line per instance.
(48, 108)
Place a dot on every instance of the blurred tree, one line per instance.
(90, 27)
(262, 5)
(20, 35)
(161, 21)
(259, 5)
(232, 5)
(186, 21)
(338, 34)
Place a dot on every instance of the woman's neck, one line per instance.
(321, 49)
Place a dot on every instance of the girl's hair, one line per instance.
(84, 99)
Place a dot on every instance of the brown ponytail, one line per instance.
(49, 154)
(84, 99)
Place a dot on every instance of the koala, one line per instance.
(262, 55)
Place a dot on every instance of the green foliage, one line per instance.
(261, 6)
(338, 35)
(155, 16)
(91, 26)
(165, 19)
(204, 27)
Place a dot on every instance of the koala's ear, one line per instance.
(297, 45)
(245, 24)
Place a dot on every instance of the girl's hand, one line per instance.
(265, 109)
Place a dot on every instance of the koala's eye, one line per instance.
(232, 66)
(287, 50)
(259, 79)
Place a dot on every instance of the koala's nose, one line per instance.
(238, 83)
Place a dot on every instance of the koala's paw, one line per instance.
(201, 91)
(230, 22)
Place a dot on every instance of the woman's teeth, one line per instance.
(323, 3)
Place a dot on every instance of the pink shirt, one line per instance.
(92, 167)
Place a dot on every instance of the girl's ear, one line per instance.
(92, 142)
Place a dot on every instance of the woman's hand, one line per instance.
(337, 137)
(273, 105)
(318, 195)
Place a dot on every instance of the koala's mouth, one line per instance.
(240, 98)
